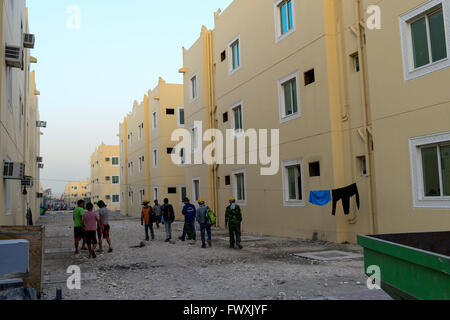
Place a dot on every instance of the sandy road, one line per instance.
(264, 269)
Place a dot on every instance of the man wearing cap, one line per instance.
(233, 219)
(203, 221)
(189, 212)
(147, 217)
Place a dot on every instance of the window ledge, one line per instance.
(290, 117)
(284, 36)
(232, 72)
(294, 203)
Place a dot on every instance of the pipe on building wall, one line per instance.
(366, 110)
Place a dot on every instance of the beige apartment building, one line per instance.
(19, 116)
(320, 73)
(105, 176)
(147, 170)
(77, 190)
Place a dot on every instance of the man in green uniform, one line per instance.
(233, 219)
(78, 226)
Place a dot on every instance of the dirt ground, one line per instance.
(263, 270)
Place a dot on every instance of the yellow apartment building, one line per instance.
(77, 190)
(105, 176)
(19, 117)
(407, 67)
(147, 170)
(199, 102)
(318, 72)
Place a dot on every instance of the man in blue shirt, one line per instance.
(189, 213)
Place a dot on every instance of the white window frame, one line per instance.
(281, 102)
(195, 142)
(405, 32)
(242, 203)
(112, 180)
(415, 145)
(141, 195)
(112, 198)
(278, 36)
(192, 97)
(194, 200)
(156, 193)
(140, 131)
(230, 54)
(155, 158)
(179, 118)
(131, 197)
(118, 161)
(182, 164)
(131, 169)
(285, 180)
(181, 193)
(233, 120)
(154, 120)
(141, 164)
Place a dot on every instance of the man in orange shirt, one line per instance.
(147, 217)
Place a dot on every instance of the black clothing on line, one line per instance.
(345, 194)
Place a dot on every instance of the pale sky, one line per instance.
(89, 77)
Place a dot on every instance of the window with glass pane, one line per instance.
(290, 97)
(181, 115)
(115, 179)
(240, 187)
(194, 87)
(445, 167)
(115, 161)
(154, 120)
(196, 190)
(429, 39)
(236, 55)
(116, 198)
(194, 139)
(182, 156)
(286, 18)
(183, 193)
(238, 126)
(430, 164)
(294, 183)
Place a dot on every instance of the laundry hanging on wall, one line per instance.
(345, 194)
(320, 198)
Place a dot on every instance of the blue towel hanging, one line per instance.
(320, 198)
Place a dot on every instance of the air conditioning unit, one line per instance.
(41, 166)
(14, 57)
(107, 178)
(13, 170)
(41, 124)
(39, 195)
(27, 182)
(108, 197)
(108, 159)
(39, 159)
(28, 40)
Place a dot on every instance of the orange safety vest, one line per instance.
(146, 213)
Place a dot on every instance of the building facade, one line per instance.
(105, 176)
(19, 116)
(147, 170)
(75, 191)
(340, 117)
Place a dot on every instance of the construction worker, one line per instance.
(147, 216)
(204, 222)
(233, 219)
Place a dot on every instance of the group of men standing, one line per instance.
(202, 215)
(90, 227)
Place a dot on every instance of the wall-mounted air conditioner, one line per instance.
(39, 195)
(27, 182)
(41, 124)
(107, 159)
(13, 170)
(107, 178)
(14, 57)
(39, 159)
(41, 166)
(28, 40)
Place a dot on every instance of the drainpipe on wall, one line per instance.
(367, 122)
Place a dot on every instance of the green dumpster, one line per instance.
(412, 265)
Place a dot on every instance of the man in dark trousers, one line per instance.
(233, 219)
(169, 218)
(189, 213)
(148, 217)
